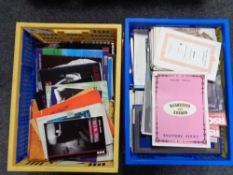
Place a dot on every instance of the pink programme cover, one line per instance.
(180, 111)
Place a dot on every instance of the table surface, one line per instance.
(96, 11)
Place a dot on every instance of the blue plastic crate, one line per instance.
(153, 159)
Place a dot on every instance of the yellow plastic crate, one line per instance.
(53, 33)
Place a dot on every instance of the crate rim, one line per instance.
(189, 21)
(47, 25)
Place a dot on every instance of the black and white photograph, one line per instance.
(87, 137)
(71, 74)
(215, 95)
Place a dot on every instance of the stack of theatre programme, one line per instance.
(176, 92)
(72, 113)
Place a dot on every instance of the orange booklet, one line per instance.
(35, 150)
(86, 98)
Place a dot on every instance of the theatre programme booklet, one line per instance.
(180, 110)
(87, 137)
(182, 52)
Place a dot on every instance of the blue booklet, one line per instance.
(110, 78)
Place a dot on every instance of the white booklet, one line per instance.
(138, 97)
(139, 62)
(131, 103)
(179, 51)
(146, 121)
(132, 53)
(108, 156)
(88, 111)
